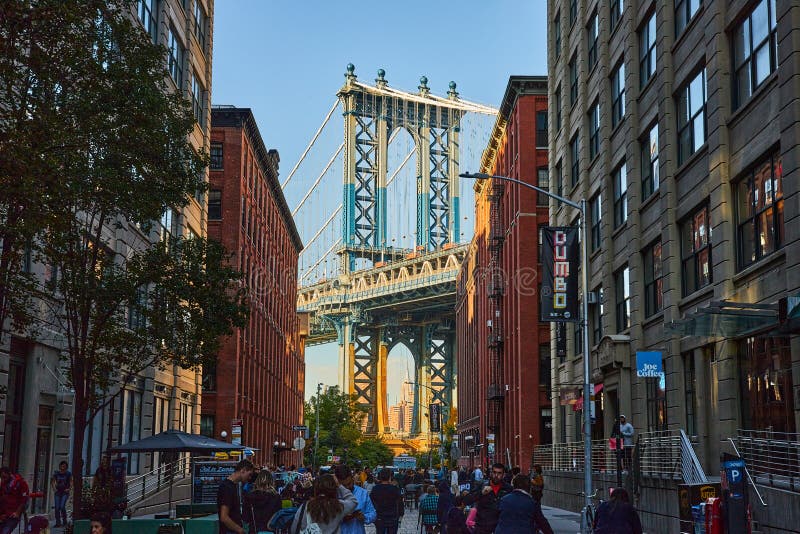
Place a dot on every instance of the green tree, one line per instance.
(372, 451)
(95, 143)
(340, 420)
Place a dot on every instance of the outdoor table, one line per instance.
(198, 525)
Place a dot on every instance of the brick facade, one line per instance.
(260, 370)
(497, 318)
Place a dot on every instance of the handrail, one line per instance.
(690, 463)
(147, 484)
(747, 472)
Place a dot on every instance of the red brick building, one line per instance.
(503, 350)
(259, 376)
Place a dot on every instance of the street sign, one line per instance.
(298, 428)
(299, 443)
(236, 431)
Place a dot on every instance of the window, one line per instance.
(207, 425)
(215, 205)
(656, 403)
(541, 129)
(653, 284)
(559, 179)
(543, 181)
(147, 16)
(175, 57)
(186, 420)
(136, 309)
(200, 20)
(558, 108)
(618, 95)
(592, 33)
(577, 341)
(557, 34)
(130, 424)
(696, 251)
(692, 116)
(617, 6)
(573, 81)
(216, 156)
(647, 51)
(622, 294)
(765, 368)
(573, 11)
(595, 208)
(544, 366)
(198, 100)
(690, 390)
(574, 155)
(594, 130)
(649, 149)
(760, 211)
(170, 222)
(755, 50)
(597, 317)
(684, 11)
(209, 379)
(620, 195)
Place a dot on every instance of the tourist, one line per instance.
(364, 514)
(13, 499)
(486, 499)
(261, 503)
(519, 512)
(617, 515)
(61, 482)
(388, 501)
(428, 507)
(228, 503)
(326, 510)
(456, 520)
(100, 523)
(537, 483)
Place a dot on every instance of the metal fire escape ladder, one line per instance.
(495, 292)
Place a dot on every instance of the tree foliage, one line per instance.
(340, 422)
(95, 148)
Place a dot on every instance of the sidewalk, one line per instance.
(562, 521)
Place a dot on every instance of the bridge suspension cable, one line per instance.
(311, 144)
(319, 232)
(400, 168)
(321, 258)
(319, 179)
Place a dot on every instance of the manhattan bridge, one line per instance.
(385, 239)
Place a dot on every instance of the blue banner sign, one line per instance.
(649, 364)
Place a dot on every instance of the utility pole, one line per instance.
(316, 429)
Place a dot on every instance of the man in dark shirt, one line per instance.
(388, 502)
(486, 500)
(228, 503)
(13, 499)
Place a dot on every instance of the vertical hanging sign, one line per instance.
(435, 414)
(560, 261)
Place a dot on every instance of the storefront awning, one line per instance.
(579, 404)
(727, 319)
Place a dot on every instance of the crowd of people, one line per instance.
(343, 500)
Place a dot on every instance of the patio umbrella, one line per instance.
(177, 441)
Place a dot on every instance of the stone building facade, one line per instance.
(503, 350)
(260, 372)
(677, 121)
(36, 414)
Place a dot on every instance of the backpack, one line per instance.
(282, 519)
(311, 527)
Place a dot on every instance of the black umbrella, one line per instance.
(177, 441)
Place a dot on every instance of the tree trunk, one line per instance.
(79, 426)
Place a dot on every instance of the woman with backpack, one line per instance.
(617, 516)
(324, 512)
(261, 503)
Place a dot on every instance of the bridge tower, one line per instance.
(371, 114)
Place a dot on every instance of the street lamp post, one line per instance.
(587, 393)
(316, 428)
(441, 438)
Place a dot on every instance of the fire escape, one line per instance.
(496, 290)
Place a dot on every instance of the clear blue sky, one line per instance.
(286, 59)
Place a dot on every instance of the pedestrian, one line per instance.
(428, 507)
(364, 514)
(626, 429)
(13, 499)
(519, 513)
(100, 523)
(486, 499)
(369, 483)
(456, 520)
(261, 503)
(388, 502)
(61, 482)
(537, 483)
(617, 515)
(228, 503)
(325, 511)
(445, 503)
(102, 486)
(454, 481)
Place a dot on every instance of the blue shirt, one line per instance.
(365, 506)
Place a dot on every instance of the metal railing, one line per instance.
(664, 454)
(142, 486)
(668, 454)
(772, 458)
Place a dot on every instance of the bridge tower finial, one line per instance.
(424, 90)
(452, 93)
(380, 81)
(350, 75)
